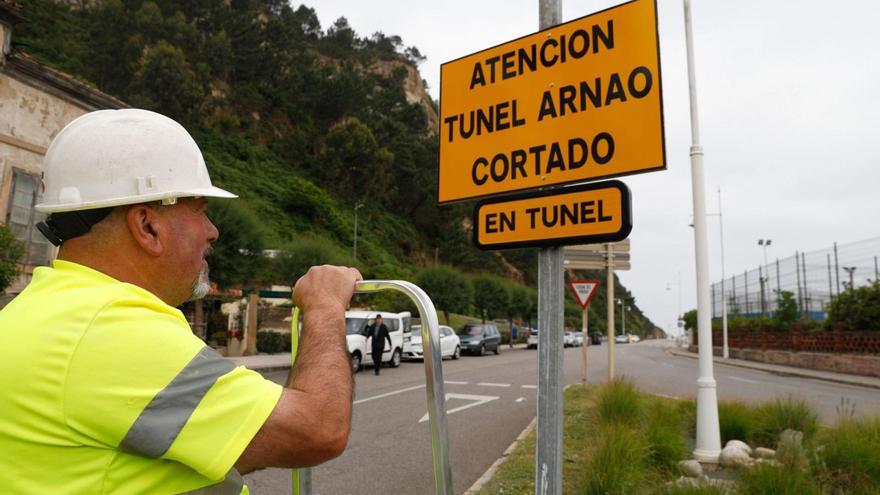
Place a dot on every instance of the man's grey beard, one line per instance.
(201, 285)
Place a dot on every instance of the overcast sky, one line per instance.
(789, 101)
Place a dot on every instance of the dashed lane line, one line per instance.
(487, 384)
(361, 401)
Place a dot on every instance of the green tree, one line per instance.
(490, 296)
(857, 309)
(787, 312)
(238, 252)
(447, 288)
(303, 253)
(354, 162)
(167, 83)
(690, 320)
(11, 253)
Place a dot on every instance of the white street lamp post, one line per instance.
(708, 446)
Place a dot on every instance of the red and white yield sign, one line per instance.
(584, 291)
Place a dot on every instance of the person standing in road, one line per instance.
(104, 388)
(378, 334)
(513, 334)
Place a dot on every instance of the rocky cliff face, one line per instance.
(413, 86)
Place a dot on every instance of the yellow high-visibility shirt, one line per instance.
(105, 389)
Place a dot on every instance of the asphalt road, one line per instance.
(492, 399)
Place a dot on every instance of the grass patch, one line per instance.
(776, 480)
(849, 459)
(665, 433)
(619, 402)
(784, 414)
(617, 463)
(737, 421)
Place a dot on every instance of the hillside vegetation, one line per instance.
(303, 122)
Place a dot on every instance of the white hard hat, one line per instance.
(121, 157)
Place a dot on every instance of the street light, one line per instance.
(850, 270)
(765, 243)
(623, 308)
(355, 248)
(708, 444)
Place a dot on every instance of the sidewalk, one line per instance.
(828, 376)
(264, 362)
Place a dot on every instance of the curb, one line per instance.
(490, 473)
(787, 371)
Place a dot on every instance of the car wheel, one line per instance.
(497, 349)
(456, 353)
(355, 362)
(482, 350)
(395, 359)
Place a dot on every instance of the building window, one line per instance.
(22, 218)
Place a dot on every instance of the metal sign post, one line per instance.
(584, 290)
(436, 398)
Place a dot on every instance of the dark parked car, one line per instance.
(477, 338)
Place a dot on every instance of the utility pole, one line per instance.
(708, 446)
(850, 270)
(354, 253)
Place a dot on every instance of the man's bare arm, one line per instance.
(311, 422)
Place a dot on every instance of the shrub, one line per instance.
(768, 479)
(619, 402)
(273, 342)
(11, 252)
(664, 433)
(781, 415)
(850, 456)
(618, 462)
(787, 312)
(857, 309)
(737, 421)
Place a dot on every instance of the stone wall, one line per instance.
(853, 364)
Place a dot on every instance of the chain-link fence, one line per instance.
(813, 278)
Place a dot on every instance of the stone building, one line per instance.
(36, 102)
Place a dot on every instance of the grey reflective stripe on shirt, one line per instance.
(232, 485)
(160, 422)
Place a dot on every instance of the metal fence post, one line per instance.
(836, 270)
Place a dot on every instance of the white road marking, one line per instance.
(360, 401)
(667, 396)
(520, 399)
(485, 384)
(746, 380)
(478, 399)
(529, 386)
(450, 382)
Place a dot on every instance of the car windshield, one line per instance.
(355, 326)
(471, 330)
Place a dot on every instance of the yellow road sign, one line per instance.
(578, 214)
(576, 102)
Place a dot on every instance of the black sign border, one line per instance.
(661, 166)
(623, 233)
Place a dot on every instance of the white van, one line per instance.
(399, 329)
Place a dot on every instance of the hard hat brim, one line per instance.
(208, 192)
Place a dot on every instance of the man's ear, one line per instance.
(145, 224)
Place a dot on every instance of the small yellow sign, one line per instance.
(576, 102)
(580, 214)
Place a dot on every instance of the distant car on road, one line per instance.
(399, 329)
(633, 338)
(578, 339)
(532, 342)
(450, 345)
(621, 339)
(477, 338)
(568, 339)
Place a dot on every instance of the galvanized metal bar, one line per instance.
(436, 397)
(609, 295)
(548, 468)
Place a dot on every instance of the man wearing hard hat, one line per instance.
(103, 386)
